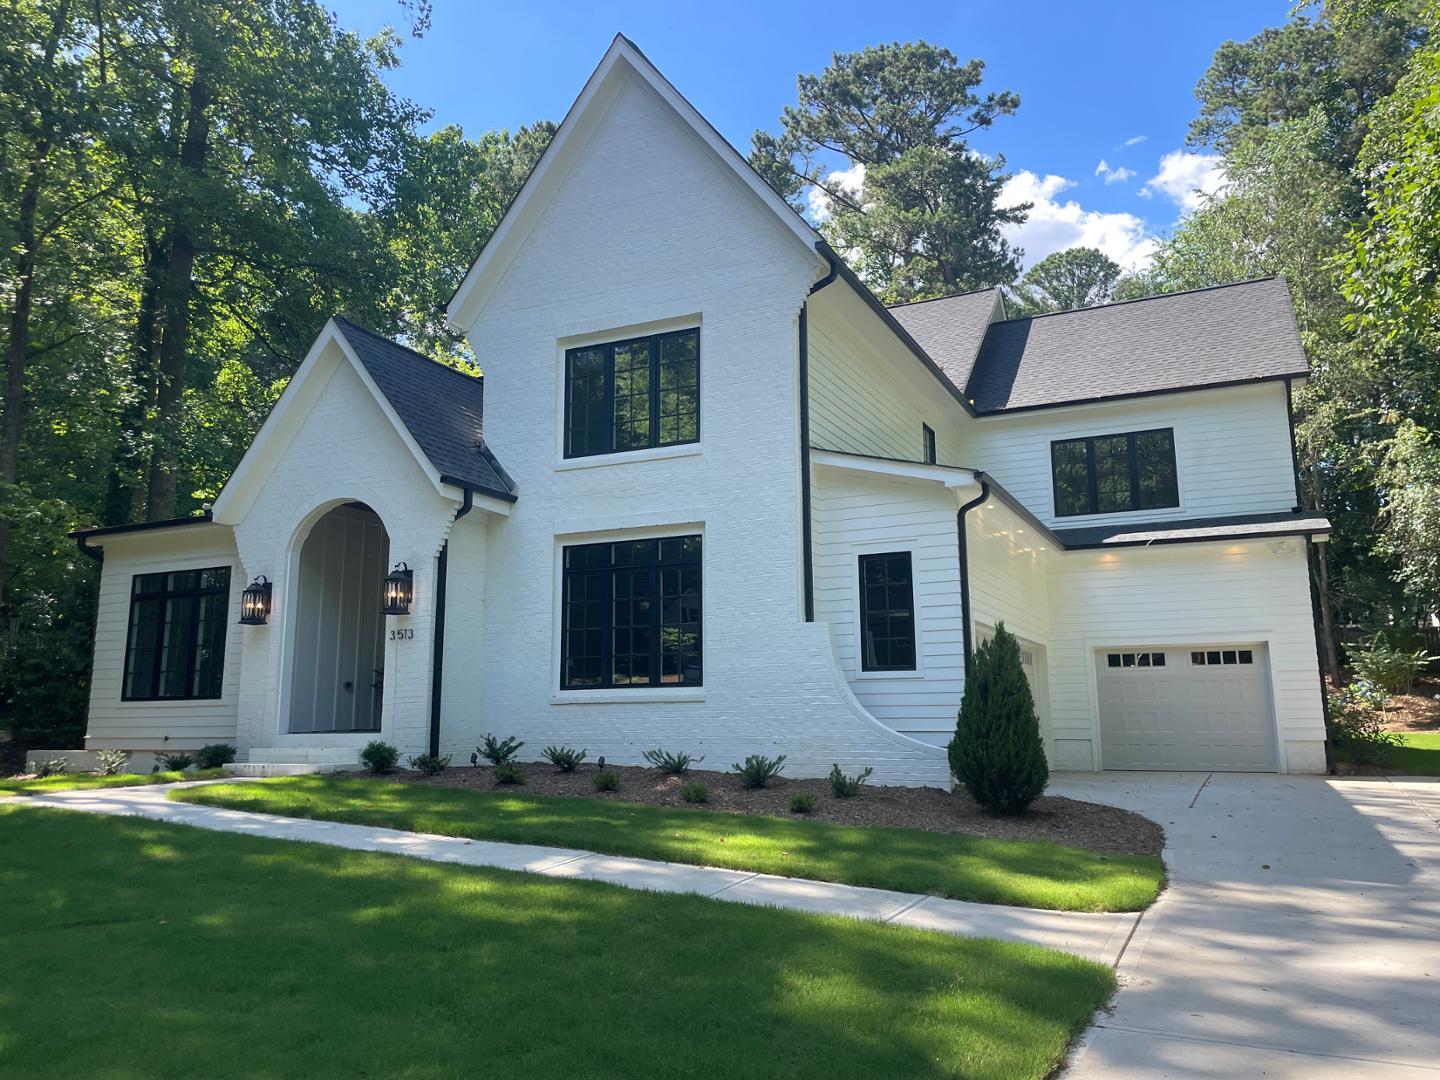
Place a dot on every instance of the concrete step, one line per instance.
(286, 768)
(313, 755)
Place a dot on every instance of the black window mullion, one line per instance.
(609, 444)
(657, 620)
(1134, 461)
(655, 391)
(1091, 477)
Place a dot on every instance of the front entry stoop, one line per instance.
(296, 760)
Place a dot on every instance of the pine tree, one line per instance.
(996, 752)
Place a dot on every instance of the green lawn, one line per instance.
(71, 781)
(1027, 873)
(139, 949)
(1419, 756)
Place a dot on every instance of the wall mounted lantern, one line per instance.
(255, 603)
(399, 590)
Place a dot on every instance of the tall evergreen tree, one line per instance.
(997, 752)
(1066, 281)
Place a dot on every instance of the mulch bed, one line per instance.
(1062, 821)
(1418, 710)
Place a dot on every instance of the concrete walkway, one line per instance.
(1100, 937)
(1300, 935)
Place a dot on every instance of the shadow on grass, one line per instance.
(168, 951)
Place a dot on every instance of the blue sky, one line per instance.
(1103, 80)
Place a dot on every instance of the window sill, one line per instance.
(645, 695)
(655, 453)
(880, 675)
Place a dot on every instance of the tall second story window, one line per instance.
(632, 395)
(1110, 474)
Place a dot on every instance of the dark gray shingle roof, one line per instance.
(1226, 334)
(1296, 523)
(950, 329)
(442, 408)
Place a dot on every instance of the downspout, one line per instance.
(437, 660)
(807, 557)
(1294, 451)
(83, 542)
(1312, 554)
(964, 551)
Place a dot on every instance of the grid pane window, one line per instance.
(175, 641)
(1109, 474)
(631, 614)
(887, 612)
(630, 395)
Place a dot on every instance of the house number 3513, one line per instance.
(407, 634)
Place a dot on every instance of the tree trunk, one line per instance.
(17, 359)
(175, 291)
(127, 460)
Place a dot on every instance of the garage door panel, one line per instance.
(1210, 711)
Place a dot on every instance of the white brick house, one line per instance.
(743, 508)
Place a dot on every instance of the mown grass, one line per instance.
(164, 951)
(1026, 873)
(73, 781)
(1419, 754)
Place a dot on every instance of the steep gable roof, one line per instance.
(1225, 335)
(950, 329)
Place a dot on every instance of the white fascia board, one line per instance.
(962, 482)
(620, 59)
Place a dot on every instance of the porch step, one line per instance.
(284, 768)
(336, 756)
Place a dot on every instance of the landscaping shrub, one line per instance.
(111, 762)
(499, 752)
(997, 753)
(672, 764)
(1354, 723)
(758, 769)
(174, 762)
(214, 755)
(430, 764)
(564, 758)
(507, 772)
(802, 802)
(379, 757)
(605, 780)
(695, 793)
(51, 766)
(847, 787)
(1387, 666)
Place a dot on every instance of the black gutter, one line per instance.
(1104, 399)
(1103, 545)
(437, 659)
(478, 489)
(807, 555)
(142, 526)
(963, 549)
(1294, 452)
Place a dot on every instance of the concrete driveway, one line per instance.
(1300, 935)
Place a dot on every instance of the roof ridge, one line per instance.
(345, 320)
(948, 296)
(1142, 299)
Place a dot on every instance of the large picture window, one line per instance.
(631, 614)
(887, 612)
(631, 395)
(175, 648)
(1110, 474)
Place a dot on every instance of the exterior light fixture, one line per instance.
(399, 590)
(255, 603)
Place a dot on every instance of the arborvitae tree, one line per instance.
(996, 752)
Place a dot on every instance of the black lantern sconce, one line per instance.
(255, 603)
(399, 590)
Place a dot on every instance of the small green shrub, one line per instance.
(379, 757)
(51, 766)
(695, 793)
(507, 772)
(758, 769)
(997, 753)
(847, 787)
(497, 751)
(214, 755)
(112, 762)
(430, 764)
(1387, 666)
(1355, 724)
(175, 762)
(605, 780)
(802, 802)
(670, 763)
(564, 758)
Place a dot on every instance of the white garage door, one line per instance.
(1186, 707)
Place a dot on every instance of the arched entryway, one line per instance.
(337, 672)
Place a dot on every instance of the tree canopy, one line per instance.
(1078, 277)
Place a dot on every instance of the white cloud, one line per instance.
(1113, 176)
(1135, 140)
(1187, 179)
(851, 181)
(1054, 225)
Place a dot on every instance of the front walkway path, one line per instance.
(1100, 937)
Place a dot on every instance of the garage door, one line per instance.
(1186, 707)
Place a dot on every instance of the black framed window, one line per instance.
(927, 443)
(1110, 474)
(175, 646)
(631, 614)
(887, 612)
(631, 395)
